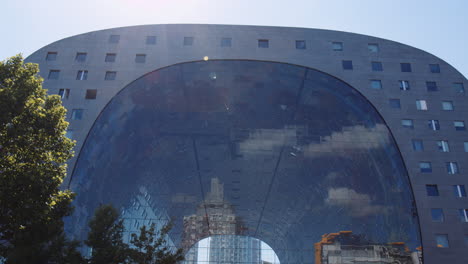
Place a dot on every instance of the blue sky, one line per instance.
(439, 27)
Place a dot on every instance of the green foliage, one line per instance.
(105, 237)
(151, 247)
(33, 156)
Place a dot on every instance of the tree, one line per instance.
(105, 237)
(151, 247)
(33, 155)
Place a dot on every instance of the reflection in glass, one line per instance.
(239, 151)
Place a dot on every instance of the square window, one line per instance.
(433, 124)
(77, 114)
(80, 57)
(150, 40)
(394, 103)
(64, 93)
(421, 105)
(437, 215)
(425, 167)
(51, 56)
(431, 86)
(82, 75)
(188, 41)
(91, 94)
(226, 42)
(53, 75)
(405, 67)
(337, 46)
(434, 68)
(373, 47)
(347, 65)
(442, 240)
(463, 214)
(417, 145)
(459, 125)
(465, 146)
(300, 44)
(376, 84)
(407, 123)
(140, 58)
(69, 134)
(110, 75)
(263, 43)
(404, 85)
(432, 190)
(110, 57)
(452, 167)
(447, 105)
(114, 39)
(459, 191)
(377, 66)
(443, 146)
(459, 88)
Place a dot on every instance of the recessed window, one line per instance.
(373, 47)
(51, 56)
(114, 39)
(432, 190)
(405, 67)
(64, 93)
(404, 85)
(188, 41)
(407, 123)
(452, 167)
(110, 57)
(465, 146)
(431, 86)
(394, 103)
(80, 57)
(376, 84)
(459, 191)
(140, 58)
(69, 134)
(417, 145)
(421, 105)
(91, 94)
(53, 75)
(443, 146)
(82, 75)
(459, 88)
(433, 124)
(437, 215)
(463, 214)
(377, 66)
(337, 46)
(447, 105)
(226, 42)
(77, 114)
(425, 167)
(150, 40)
(300, 44)
(459, 125)
(263, 43)
(347, 65)
(442, 240)
(110, 75)
(434, 68)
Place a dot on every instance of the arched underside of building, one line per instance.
(279, 152)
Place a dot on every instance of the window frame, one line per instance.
(263, 43)
(376, 66)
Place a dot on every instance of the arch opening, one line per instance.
(283, 153)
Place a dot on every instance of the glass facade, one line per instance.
(250, 153)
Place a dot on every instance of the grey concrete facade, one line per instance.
(318, 54)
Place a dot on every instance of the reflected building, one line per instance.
(250, 136)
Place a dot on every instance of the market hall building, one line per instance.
(267, 144)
